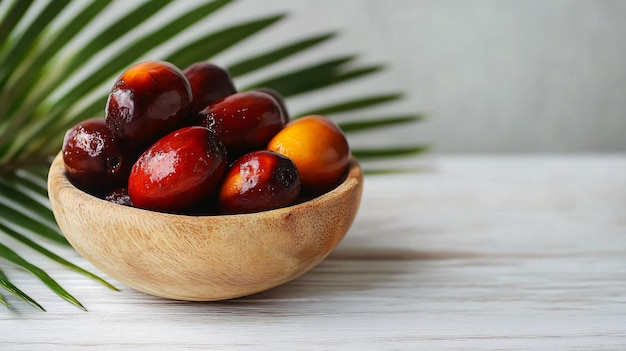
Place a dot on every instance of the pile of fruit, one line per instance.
(188, 142)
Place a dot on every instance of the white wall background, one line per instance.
(492, 75)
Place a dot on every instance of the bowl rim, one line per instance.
(57, 177)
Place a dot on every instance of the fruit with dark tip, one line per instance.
(319, 149)
(148, 101)
(209, 83)
(180, 170)
(93, 158)
(259, 181)
(281, 102)
(244, 121)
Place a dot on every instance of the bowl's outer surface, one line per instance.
(203, 258)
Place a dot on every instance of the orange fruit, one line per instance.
(319, 149)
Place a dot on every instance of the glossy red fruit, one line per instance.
(259, 181)
(281, 102)
(244, 121)
(178, 171)
(93, 158)
(148, 101)
(209, 83)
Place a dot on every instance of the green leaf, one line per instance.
(103, 39)
(37, 173)
(217, 42)
(51, 255)
(13, 217)
(2, 300)
(378, 153)
(27, 182)
(25, 204)
(20, 48)
(356, 104)
(362, 125)
(315, 77)
(14, 258)
(271, 57)
(304, 79)
(27, 77)
(12, 18)
(8, 286)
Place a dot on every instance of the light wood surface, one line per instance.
(475, 252)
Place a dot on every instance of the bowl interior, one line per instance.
(203, 258)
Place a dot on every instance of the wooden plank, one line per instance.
(480, 252)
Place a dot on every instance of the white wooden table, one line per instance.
(477, 252)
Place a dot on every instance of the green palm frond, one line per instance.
(48, 84)
(8, 286)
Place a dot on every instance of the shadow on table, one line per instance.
(358, 266)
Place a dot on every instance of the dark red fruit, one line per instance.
(259, 181)
(148, 101)
(119, 196)
(244, 121)
(281, 102)
(209, 83)
(93, 158)
(178, 171)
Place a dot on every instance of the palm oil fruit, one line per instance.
(180, 170)
(168, 138)
(209, 83)
(149, 100)
(259, 181)
(319, 149)
(93, 158)
(245, 121)
(279, 99)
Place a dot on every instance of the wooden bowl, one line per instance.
(203, 258)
